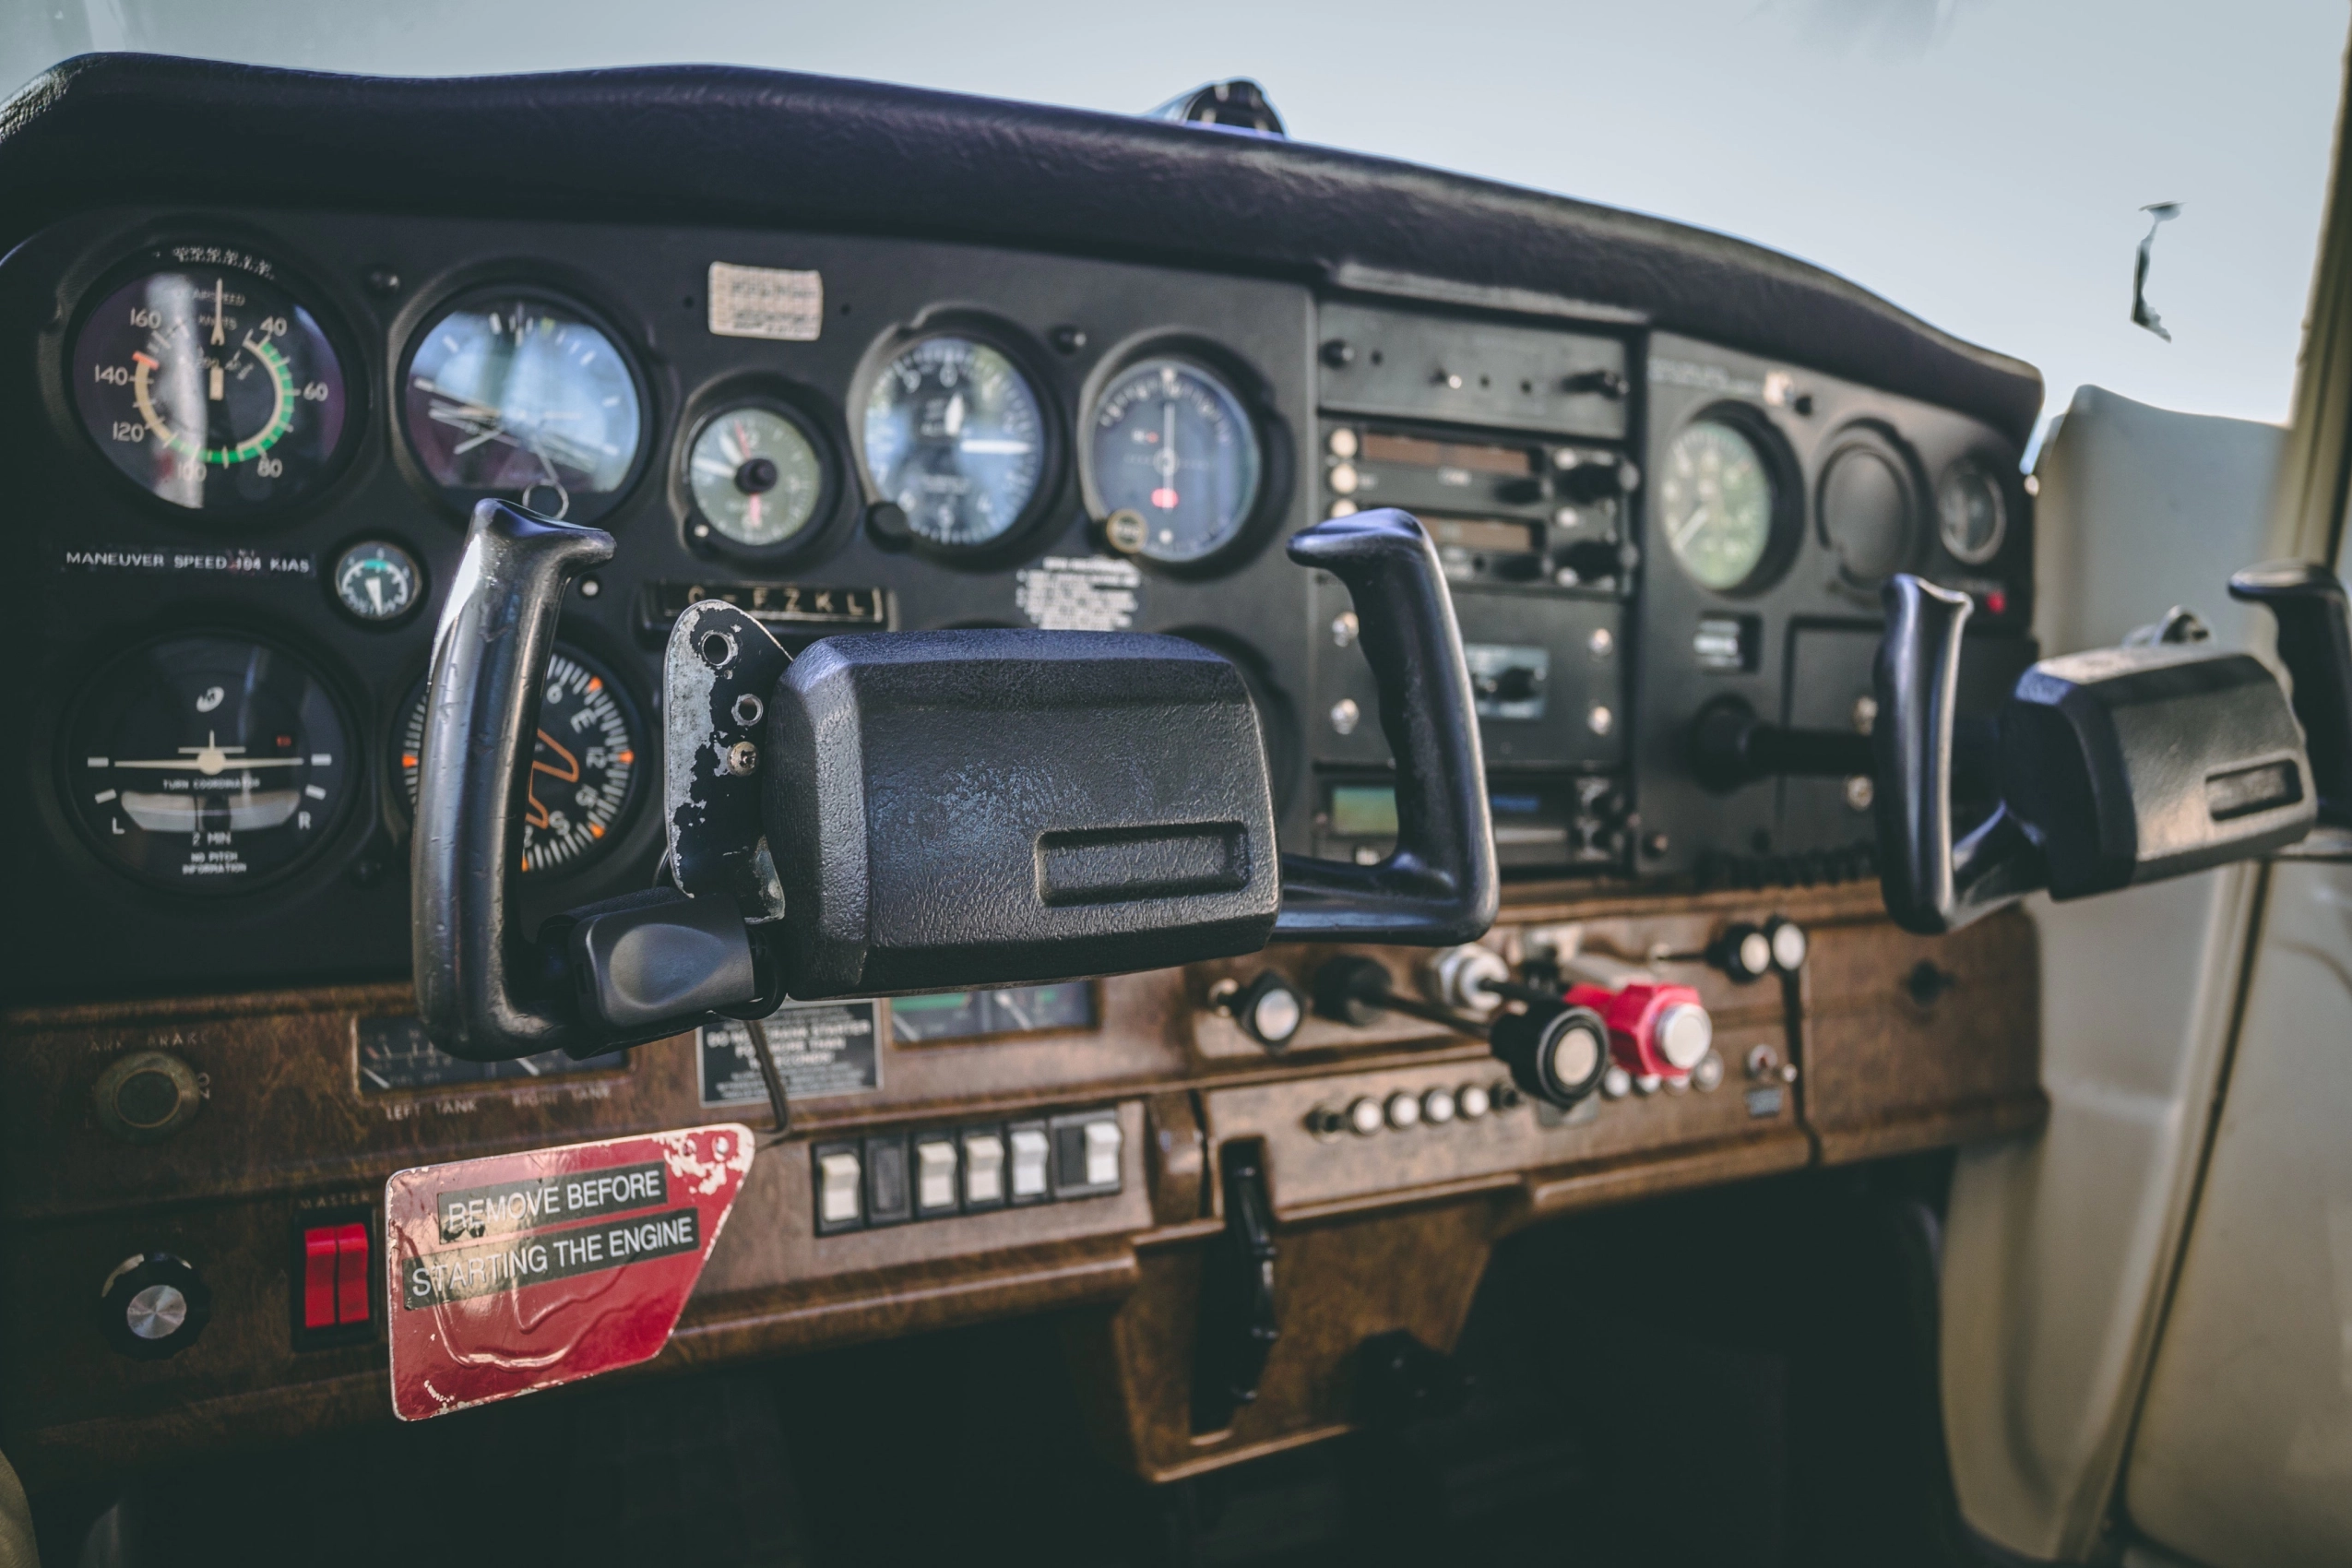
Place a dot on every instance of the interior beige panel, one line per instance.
(2058, 1248)
(2244, 1453)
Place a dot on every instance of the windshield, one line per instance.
(1982, 164)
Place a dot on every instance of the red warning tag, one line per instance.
(522, 1271)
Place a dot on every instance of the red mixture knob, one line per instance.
(1661, 1032)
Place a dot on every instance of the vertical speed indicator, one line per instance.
(584, 766)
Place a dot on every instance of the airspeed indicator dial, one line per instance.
(584, 766)
(209, 384)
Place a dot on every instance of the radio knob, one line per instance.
(153, 1306)
(1403, 1111)
(1365, 1117)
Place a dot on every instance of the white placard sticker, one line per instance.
(765, 302)
(1091, 593)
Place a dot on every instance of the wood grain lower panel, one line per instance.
(1376, 1233)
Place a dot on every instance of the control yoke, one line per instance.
(2115, 766)
(904, 811)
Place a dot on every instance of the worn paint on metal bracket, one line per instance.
(718, 678)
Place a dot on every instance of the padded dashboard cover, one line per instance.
(729, 145)
(992, 807)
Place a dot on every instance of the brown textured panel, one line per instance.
(1376, 1233)
(1886, 1071)
(1312, 1172)
(1178, 1157)
(1337, 1284)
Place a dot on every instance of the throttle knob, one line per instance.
(1556, 1053)
(1743, 952)
(1655, 1031)
(153, 1306)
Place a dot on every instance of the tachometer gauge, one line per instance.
(523, 397)
(956, 436)
(1716, 503)
(584, 767)
(209, 384)
(208, 764)
(755, 475)
(1172, 446)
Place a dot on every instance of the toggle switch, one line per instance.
(1030, 1153)
(840, 1188)
(935, 1175)
(983, 1168)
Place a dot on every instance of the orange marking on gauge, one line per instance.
(595, 830)
(596, 683)
(629, 757)
(142, 359)
(408, 759)
(535, 814)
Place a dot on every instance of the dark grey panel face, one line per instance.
(1634, 524)
(1854, 478)
(97, 563)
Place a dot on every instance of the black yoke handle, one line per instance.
(1439, 886)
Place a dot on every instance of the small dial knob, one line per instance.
(146, 1096)
(153, 1306)
(1403, 1110)
(1365, 1117)
(1269, 1009)
(1472, 1101)
(1789, 944)
(1556, 1053)
(1743, 952)
(1438, 1107)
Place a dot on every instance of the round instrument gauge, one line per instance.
(526, 398)
(1716, 503)
(1970, 513)
(584, 766)
(755, 475)
(1867, 507)
(209, 384)
(955, 436)
(377, 583)
(209, 763)
(1173, 456)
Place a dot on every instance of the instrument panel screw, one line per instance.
(383, 281)
(743, 759)
(590, 588)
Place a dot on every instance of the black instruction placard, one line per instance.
(822, 1048)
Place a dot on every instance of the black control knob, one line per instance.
(1269, 1009)
(1742, 951)
(1588, 481)
(1338, 353)
(1352, 990)
(1556, 1053)
(1605, 384)
(153, 1306)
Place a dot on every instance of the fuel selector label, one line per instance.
(524, 1271)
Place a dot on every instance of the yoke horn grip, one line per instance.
(1439, 886)
(489, 655)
